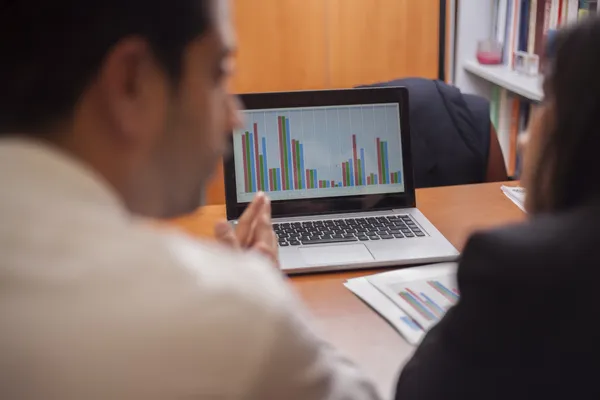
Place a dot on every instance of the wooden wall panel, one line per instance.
(282, 45)
(377, 40)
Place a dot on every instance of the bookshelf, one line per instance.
(522, 25)
(529, 87)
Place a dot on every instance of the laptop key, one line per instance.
(398, 235)
(386, 237)
(419, 234)
(294, 243)
(283, 244)
(363, 238)
(409, 235)
(328, 241)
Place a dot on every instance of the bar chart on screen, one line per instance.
(317, 152)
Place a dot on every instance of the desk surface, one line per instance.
(348, 323)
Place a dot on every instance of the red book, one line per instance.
(544, 9)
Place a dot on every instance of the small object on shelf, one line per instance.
(489, 52)
(526, 63)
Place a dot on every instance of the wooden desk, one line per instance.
(347, 322)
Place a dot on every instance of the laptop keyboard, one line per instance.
(346, 230)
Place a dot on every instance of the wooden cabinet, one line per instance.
(282, 45)
(378, 40)
(317, 44)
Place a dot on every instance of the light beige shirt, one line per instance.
(96, 305)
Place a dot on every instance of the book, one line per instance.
(533, 15)
(412, 300)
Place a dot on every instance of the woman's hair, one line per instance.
(567, 173)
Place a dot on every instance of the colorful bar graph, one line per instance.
(415, 303)
(292, 174)
(444, 291)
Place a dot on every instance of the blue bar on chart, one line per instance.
(265, 183)
(278, 178)
(290, 167)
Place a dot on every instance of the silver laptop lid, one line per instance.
(317, 152)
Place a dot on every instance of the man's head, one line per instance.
(135, 88)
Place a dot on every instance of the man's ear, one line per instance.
(132, 89)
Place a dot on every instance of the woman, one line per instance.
(526, 324)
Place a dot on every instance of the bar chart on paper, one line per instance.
(319, 152)
(427, 301)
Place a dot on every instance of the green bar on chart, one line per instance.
(382, 177)
(248, 160)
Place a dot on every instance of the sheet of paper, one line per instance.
(423, 293)
(405, 325)
(516, 194)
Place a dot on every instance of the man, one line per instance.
(116, 108)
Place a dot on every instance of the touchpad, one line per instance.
(333, 255)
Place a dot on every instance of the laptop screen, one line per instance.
(319, 152)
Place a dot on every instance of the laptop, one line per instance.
(337, 166)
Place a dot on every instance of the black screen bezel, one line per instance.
(329, 205)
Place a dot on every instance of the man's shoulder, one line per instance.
(212, 268)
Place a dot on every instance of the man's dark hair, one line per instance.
(568, 173)
(50, 50)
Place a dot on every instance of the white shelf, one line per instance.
(529, 87)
